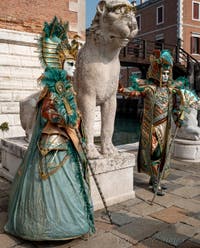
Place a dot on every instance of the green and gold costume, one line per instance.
(50, 197)
(163, 101)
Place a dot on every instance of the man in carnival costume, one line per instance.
(50, 197)
(164, 99)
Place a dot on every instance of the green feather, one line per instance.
(51, 77)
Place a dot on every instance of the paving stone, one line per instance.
(189, 180)
(140, 183)
(144, 194)
(7, 241)
(103, 225)
(120, 218)
(189, 168)
(194, 215)
(196, 239)
(25, 245)
(140, 245)
(197, 198)
(153, 243)
(189, 244)
(142, 228)
(105, 240)
(167, 200)
(190, 205)
(191, 221)
(124, 237)
(116, 207)
(99, 213)
(179, 172)
(172, 186)
(175, 234)
(130, 202)
(187, 191)
(144, 208)
(173, 177)
(3, 219)
(172, 214)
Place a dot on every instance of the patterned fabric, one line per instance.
(161, 104)
(50, 198)
(155, 128)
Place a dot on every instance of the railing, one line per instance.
(140, 50)
(137, 53)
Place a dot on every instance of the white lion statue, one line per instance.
(97, 74)
(190, 130)
(28, 113)
(98, 67)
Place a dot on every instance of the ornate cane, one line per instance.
(163, 170)
(94, 176)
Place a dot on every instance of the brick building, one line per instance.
(167, 21)
(165, 24)
(21, 22)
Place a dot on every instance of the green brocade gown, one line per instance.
(57, 208)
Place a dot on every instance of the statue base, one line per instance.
(114, 173)
(188, 150)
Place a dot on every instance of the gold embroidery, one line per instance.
(46, 175)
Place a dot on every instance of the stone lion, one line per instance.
(98, 68)
(190, 130)
(28, 113)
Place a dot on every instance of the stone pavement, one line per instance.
(172, 221)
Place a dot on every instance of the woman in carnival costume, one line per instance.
(50, 197)
(164, 99)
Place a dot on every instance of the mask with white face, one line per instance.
(165, 76)
(69, 67)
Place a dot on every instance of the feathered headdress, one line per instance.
(160, 61)
(54, 45)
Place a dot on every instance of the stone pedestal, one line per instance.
(114, 173)
(115, 177)
(188, 150)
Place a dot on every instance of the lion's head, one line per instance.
(115, 22)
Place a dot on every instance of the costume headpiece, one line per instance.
(54, 45)
(160, 61)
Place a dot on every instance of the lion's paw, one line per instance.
(109, 148)
(92, 152)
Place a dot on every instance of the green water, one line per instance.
(127, 130)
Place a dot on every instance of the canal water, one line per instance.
(127, 129)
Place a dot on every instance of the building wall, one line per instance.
(21, 22)
(149, 28)
(190, 27)
(29, 16)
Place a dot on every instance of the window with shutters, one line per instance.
(195, 45)
(196, 11)
(160, 15)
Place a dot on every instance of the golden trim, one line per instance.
(44, 175)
